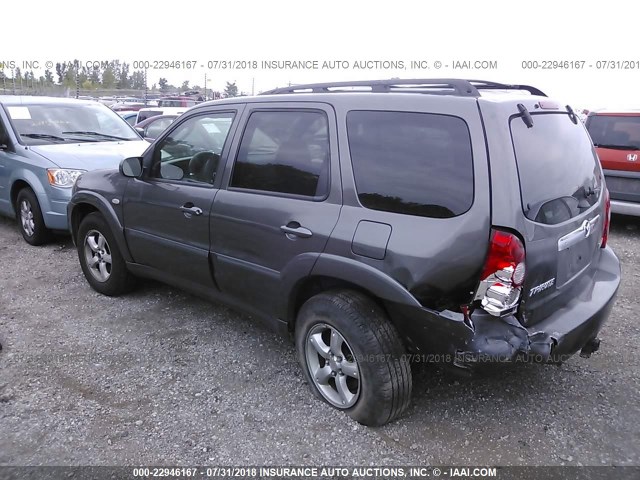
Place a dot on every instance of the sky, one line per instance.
(232, 41)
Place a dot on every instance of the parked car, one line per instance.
(150, 128)
(430, 219)
(178, 101)
(616, 136)
(145, 113)
(129, 116)
(120, 107)
(45, 144)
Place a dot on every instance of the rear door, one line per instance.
(281, 204)
(617, 140)
(562, 198)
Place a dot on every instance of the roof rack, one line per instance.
(433, 86)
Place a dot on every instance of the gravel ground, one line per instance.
(161, 377)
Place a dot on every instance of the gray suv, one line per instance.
(377, 223)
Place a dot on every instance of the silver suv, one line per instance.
(377, 223)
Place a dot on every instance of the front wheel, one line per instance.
(352, 356)
(100, 258)
(30, 218)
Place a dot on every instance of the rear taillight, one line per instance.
(607, 218)
(503, 274)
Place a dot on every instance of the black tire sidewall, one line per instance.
(41, 233)
(120, 281)
(373, 405)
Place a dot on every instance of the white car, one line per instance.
(145, 113)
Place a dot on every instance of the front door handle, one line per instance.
(190, 209)
(294, 228)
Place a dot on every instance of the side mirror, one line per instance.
(131, 167)
(4, 141)
(140, 130)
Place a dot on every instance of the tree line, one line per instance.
(106, 75)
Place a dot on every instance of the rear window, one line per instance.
(615, 131)
(557, 165)
(411, 163)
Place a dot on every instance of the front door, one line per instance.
(7, 159)
(166, 211)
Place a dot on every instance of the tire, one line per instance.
(371, 361)
(100, 258)
(30, 219)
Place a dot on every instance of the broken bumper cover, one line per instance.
(482, 339)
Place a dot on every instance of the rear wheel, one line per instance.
(30, 219)
(352, 356)
(100, 258)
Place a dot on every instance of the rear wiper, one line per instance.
(43, 135)
(94, 134)
(525, 115)
(617, 147)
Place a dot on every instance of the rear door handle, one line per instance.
(190, 209)
(294, 228)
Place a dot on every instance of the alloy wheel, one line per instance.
(97, 255)
(332, 366)
(26, 218)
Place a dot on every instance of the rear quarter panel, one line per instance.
(438, 260)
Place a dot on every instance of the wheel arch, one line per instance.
(84, 203)
(19, 184)
(332, 272)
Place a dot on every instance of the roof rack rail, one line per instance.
(484, 85)
(433, 86)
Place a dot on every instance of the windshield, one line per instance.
(558, 168)
(615, 131)
(41, 124)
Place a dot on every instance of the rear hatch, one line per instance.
(617, 140)
(563, 197)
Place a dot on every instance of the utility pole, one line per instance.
(205, 86)
(145, 86)
(253, 85)
(13, 79)
(75, 63)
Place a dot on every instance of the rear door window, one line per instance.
(411, 163)
(557, 165)
(284, 152)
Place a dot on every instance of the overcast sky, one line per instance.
(345, 31)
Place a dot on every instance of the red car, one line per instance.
(616, 136)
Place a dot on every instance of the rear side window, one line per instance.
(411, 163)
(615, 131)
(558, 168)
(284, 152)
(142, 116)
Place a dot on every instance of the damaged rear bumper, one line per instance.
(482, 339)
